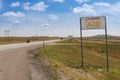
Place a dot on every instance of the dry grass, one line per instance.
(94, 59)
(9, 40)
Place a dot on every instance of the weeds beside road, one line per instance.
(67, 59)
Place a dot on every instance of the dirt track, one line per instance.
(14, 63)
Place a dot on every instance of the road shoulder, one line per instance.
(41, 69)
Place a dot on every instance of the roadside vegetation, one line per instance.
(9, 40)
(66, 58)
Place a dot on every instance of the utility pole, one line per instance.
(7, 33)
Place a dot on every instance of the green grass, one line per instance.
(94, 57)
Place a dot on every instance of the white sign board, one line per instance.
(93, 22)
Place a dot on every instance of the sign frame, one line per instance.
(97, 22)
(81, 38)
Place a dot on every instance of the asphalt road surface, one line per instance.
(14, 63)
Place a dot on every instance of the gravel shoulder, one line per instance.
(40, 68)
(16, 65)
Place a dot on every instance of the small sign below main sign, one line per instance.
(98, 22)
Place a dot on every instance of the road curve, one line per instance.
(14, 63)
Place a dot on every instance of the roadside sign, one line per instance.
(97, 22)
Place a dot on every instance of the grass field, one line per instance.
(94, 59)
(8, 40)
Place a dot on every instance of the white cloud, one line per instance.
(17, 22)
(116, 7)
(27, 5)
(85, 9)
(15, 4)
(45, 25)
(102, 4)
(82, 1)
(52, 17)
(98, 8)
(41, 6)
(14, 14)
(106, 8)
(59, 1)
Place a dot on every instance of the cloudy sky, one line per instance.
(56, 17)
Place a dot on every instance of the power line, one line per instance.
(7, 33)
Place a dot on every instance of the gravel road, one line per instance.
(14, 63)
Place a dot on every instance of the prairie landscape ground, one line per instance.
(65, 56)
(9, 40)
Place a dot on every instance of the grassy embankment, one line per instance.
(8, 40)
(67, 59)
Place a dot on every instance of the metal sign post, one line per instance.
(81, 44)
(98, 22)
(107, 61)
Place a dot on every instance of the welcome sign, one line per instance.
(98, 22)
